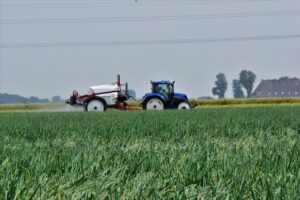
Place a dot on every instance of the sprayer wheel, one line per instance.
(96, 106)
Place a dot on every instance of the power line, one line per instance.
(81, 4)
(146, 42)
(30, 2)
(153, 18)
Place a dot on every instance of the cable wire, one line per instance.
(146, 42)
(81, 4)
(153, 18)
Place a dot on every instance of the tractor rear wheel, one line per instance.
(184, 106)
(154, 104)
(96, 106)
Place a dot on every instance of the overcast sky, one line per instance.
(48, 71)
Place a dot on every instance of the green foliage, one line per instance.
(221, 86)
(251, 153)
(237, 89)
(56, 99)
(13, 98)
(205, 97)
(247, 79)
(259, 101)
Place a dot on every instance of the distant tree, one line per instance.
(247, 79)
(237, 89)
(44, 100)
(221, 86)
(132, 93)
(284, 78)
(13, 98)
(33, 99)
(56, 99)
(205, 97)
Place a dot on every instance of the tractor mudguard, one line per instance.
(181, 96)
(153, 95)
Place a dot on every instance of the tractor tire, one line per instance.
(154, 104)
(96, 105)
(184, 106)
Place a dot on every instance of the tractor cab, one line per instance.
(163, 96)
(165, 88)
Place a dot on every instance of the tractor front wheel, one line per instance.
(96, 106)
(154, 104)
(184, 106)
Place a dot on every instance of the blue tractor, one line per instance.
(163, 96)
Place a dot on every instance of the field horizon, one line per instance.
(210, 103)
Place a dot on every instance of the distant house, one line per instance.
(283, 87)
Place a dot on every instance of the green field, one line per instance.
(227, 153)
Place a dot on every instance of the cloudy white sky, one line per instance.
(49, 70)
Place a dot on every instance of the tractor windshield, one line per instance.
(165, 89)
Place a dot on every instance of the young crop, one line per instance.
(230, 153)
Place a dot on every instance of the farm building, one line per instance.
(283, 87)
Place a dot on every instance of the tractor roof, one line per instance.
(161, 82)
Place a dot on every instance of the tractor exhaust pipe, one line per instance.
(126, 90)
(119, 80)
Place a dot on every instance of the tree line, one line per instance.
(14, 98)
(245, 81)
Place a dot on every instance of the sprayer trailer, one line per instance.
(101, 97)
